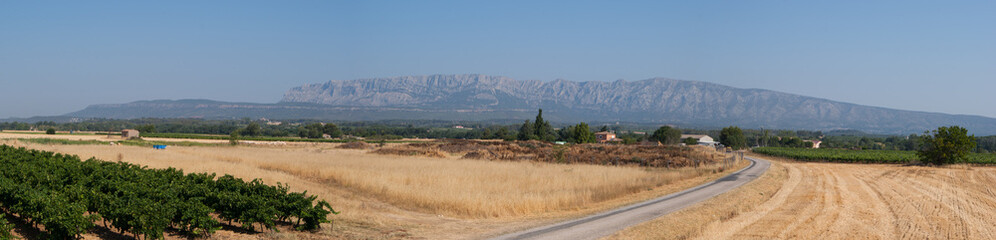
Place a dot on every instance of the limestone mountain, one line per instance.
(657, 100)
(482, 97)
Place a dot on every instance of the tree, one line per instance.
(690, 141)
(313, 130)
(765, 137)
(332, 130)
(542, 128)
(667, 135)
(605, 128)
(526, 132)
(565, 133)
(582, 134)
(233, 138)
(733, 137)
(252, 130)
(947, 145)
(502, 133)
(50, 131)
(147, 128)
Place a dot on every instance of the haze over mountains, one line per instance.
(481, 97)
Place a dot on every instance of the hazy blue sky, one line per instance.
(58, 57)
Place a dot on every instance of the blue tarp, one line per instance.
(159, 146)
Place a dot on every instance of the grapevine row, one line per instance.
(858, 156)
(67, 196)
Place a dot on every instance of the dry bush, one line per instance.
(411, 151)
(598, 154)
(356, 145)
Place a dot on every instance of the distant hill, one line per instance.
(481, 97)
(209, 109)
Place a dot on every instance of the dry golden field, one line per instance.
(845, 201)
(395, 197)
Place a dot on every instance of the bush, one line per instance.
(946, 146)
(5, 229)
(667, 135)
(50, 131)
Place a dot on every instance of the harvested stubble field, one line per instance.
(846, 201)
(391, 197)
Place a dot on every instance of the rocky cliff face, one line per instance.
(653, 100)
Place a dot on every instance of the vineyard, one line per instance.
(68, 197)
(858, 156)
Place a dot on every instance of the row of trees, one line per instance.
(538, 129)
(541, 129)
(946, 145)
(318, 130)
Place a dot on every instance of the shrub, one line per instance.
(946, 146)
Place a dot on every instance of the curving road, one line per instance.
(607, 223)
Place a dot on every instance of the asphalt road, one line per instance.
(606, 223)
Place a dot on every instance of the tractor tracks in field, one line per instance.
(862, 201)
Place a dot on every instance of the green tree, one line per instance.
(526, 132)
(502, 133)
(605, 128)
(690, 141)
(565, 133)
(582, 134)
(233, 138)
(542, 128)
(147, 128)
(947, 145)
(667, 135)
(50, 131)
(5, 228)
(313, 130)
(765, 137)
(733, 137)
(252, 130)
(332, 130)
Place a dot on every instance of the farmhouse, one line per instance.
(129, 133)
(603, 137)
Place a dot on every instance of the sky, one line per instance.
(57, 57)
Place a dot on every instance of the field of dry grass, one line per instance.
(846, 201)
(383, 196)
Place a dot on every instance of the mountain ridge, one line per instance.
(482, 97)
